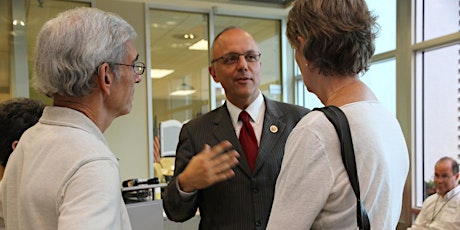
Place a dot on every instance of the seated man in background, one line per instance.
(442, 209)
(16, 116)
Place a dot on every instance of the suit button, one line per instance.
(258, 223)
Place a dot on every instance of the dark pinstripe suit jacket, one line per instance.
(244, 201)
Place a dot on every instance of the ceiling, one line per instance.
(266, 3)
(166, 37)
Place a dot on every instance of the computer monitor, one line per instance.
(169, 137)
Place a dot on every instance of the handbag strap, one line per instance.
(336, 116)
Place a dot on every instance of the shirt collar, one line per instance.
(452, 192)
(254, 109)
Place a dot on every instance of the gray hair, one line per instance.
(339, 34)
(71, 47)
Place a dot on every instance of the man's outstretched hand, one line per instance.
(208, 167)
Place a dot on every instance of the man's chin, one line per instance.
(125, 112)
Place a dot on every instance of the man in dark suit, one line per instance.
(228, 196)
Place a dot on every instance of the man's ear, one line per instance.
(213, 73)
(105, 78)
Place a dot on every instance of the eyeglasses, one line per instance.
(443, 176)
(138, 67)
(232, 58)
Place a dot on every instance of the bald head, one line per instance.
(451, 162)
(445, 175)
(227, 37)
(236, 65)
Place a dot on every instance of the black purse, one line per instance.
(336, 116)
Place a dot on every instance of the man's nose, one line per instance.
(242, 63)
(138, 78)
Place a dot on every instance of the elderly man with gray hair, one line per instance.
(62, 174)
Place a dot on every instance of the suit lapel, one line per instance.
(224, 130)
(272, 130)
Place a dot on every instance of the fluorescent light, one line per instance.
(200, 45)
(182, 92)
(160, 73)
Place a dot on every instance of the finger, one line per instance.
(225, 161)
(220, 148)
(206, 148)
(224, 176)
(227, 156)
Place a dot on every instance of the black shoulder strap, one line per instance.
(336, 116)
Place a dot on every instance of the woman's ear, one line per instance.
(300, 48)
(300, 40)
(14, 144)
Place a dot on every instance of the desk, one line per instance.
(191, 224)
(145, 215)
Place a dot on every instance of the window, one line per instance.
(386, 12)
(381, 77)
(437, 88)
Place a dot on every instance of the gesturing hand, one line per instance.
(208, 167)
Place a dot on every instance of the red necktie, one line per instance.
(248, 140)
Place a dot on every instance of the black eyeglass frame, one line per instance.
(247, 57)
(138, 67)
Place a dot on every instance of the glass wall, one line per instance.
(36, 15)
(6, 30)
(179, 62)
(182, 87)
(21, 21)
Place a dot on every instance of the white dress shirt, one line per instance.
(440, 212)
(256, 111)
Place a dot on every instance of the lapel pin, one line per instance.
(273, 129)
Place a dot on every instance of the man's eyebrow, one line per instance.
(137, 57)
